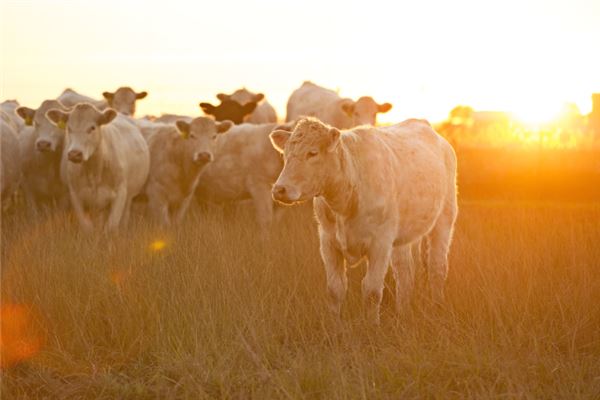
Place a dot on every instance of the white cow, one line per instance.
(10, 165)
(105, 163)
(311, 100)
(124, 99)
(178, 153)
(245, 166)
(9, 107)
(264, 112)
(41, 145)
(70, 98)
(376, 192)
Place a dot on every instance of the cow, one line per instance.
(10, 164)
(178, 153)
(70, 98)
(376, 192)
(245, 167)
(105, 163)
(229, 110)
(9, 107)
(124, 99)
(264, 112)
(41, 146)
(311, 100)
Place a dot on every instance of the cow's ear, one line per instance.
(208, 108)
(57, 117)
(222, 96)
(141, 95)
(107, 116)
(108, 96)
(279, 138)
(347, 107)
(333, 140)
(383, 108)
(258, 97)
(248, 107)
(183, 128)
(27, 114)
(223, 126)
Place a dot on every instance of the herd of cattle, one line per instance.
(378, 192)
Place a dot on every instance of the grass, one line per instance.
(215, 310)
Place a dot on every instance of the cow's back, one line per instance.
(309, 100)
(406, 171)
(70, 98)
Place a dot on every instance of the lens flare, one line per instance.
(21, 338)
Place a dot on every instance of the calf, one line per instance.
(264, 112)
(177, 156)
(311, 100)
(375, 192)
(105, 163)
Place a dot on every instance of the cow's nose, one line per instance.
(203, 157)
(279, 192)
(43, 145)
(75, 156)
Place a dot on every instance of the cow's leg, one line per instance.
(439, 245)
(159, 208)
(372, 284)
(183, 207)
(403, 267)
(117, 208)
(126, 213)
(335, 269)
(84, 220)
(263, 204)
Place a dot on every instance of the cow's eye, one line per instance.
(214, 137)
(91, 129)
(192, 136)
(311, 154)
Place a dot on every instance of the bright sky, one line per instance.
(527, 57)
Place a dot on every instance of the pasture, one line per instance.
(214, 309)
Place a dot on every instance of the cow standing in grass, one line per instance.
(376, 192)
(178, 153)
(41, 146)
(105, 163)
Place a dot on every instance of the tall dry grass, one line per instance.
(220, 311)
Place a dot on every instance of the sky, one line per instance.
(424, 57)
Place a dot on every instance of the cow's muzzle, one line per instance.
(203, 157)
(75, 156)
(43, 146)
(285, 194)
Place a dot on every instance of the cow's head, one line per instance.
(364, 111)
(229, 110)
(83, 126)
(123, 100)
(198, 138)
(50, 138)
(242, 96)
(310, 159)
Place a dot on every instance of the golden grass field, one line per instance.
(216, 310)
